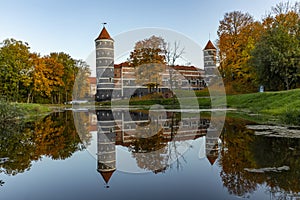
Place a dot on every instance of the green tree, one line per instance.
(15, 69)
(276, 55)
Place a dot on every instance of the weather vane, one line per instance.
(104, 23)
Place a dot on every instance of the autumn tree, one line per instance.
(147, 51)
(237, 34)
(70, 69)
(81, 84)
(48, 75)
(154, 53)
(148, 54)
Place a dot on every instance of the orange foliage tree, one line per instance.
(237, 34)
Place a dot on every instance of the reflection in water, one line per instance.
(154, 138)
(54, 137)
(106, 139)
(155, 141)
(1, 183)
(150, 137)
(241, 151)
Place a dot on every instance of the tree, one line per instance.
(171, 55)
(150, 50)
(15, 69)
(70, 69)
(81, 84)
(148, 54)
(48, 77)
(237, 34)
(277, 54)
(154, 53)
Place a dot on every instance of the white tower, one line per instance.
(210, 57)
(104, 66)
(106, 139)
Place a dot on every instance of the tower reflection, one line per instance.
(106, 139)
(150, 136)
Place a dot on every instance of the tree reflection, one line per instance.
(150, 153)
(241, 149)
(278, 152)
(154, 146)
(16, 150)
(54, 136)
(236, 155)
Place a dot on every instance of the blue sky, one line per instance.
(71, 26)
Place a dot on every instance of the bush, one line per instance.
(9, 112)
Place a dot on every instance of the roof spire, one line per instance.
(209, 46)
(103, 34)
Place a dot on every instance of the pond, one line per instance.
(115, 154)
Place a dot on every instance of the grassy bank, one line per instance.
(31, 109)
(14, 114)
(283, 106)
(268, 107)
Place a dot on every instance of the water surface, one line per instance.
(151, 156)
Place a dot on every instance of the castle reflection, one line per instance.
(151, 137)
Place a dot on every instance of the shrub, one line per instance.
(9, 112)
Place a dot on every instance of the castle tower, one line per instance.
(104, 66)
(212, 145)
(106, 139)
(210, 57)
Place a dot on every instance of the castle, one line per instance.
(123, 128)
(116, 81)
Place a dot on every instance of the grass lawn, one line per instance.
(32, 110)
(273, 103)
(275, 107)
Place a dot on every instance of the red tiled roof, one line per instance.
(189, 68)
(123, 64)
(92, 80)
(106, 175)
(104, 35)
(176, 67)
(212, 159)
(209, 45)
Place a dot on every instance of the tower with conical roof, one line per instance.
(106, 140)
(212, 145)
(104, 65)
(210, 57)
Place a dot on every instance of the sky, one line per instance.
(71, 26)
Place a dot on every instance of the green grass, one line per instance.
(271, 107)
(273, 103)
(31, 109)
(268, 107)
